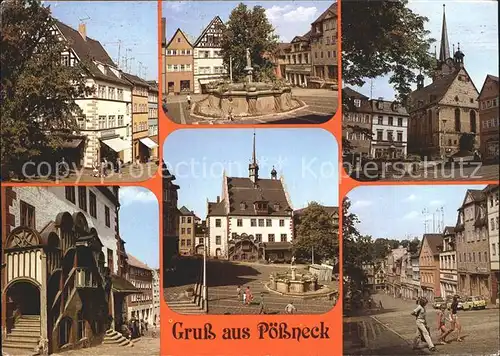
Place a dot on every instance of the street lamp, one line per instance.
(204, 272)
(443, 139)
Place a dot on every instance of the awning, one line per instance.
(121, 285)
(148, 142)
(117, 144)
(73, 143)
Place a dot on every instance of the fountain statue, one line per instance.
(249, 68)
(247, 99)
(293, 268)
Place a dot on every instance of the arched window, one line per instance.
(457, 120)
(65, 331)
(472, 117)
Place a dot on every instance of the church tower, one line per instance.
(445, 62)
(253, 167)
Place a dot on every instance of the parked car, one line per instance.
(438, 301)
(473, 303)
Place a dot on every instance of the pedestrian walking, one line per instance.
(262, 309)
(238, 292)
(164, 105)
(249, 296)
(455, 324)
(244, 297)
(423, 329)
(442, 325)
(290, 308)
(118, 166)
(188, 98)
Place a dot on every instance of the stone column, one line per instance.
(43, 305)
(112, 307)
(326, 72)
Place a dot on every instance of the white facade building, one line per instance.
(389, 128)
(105, 124)
(208, 63)
(253, 220)
(93, 202)
(492, 202)
(156, 297)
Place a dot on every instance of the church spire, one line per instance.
(444, 51)
(253, 167)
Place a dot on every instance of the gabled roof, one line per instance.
(351, 93)
(183, 35)
(89, 51)
(449, 230)
(216, 209)
(186, 212)
(434, 241)
(332, 10)
(303, 38)
(388, 107)
(214, 21)
(476, 195)
(489, 77)
(134, 79)
(132, 261)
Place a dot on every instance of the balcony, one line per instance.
(85, 278)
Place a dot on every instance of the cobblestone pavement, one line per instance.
(144, 346)
(391, 331)
(131, 173)
(223, 277)
(321, 105)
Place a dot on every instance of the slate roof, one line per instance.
(388, 107)
(134, 79)
(437, 88)
(89, 50)
(243, 194)
(434, 241)
(351, 93)
(186, 211)
(132, 261)
(332, 9)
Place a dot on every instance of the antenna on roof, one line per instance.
(85, 18)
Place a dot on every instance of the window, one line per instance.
(492, 224)
(217, 240)
(239, 222)
(92, 204)
(390, 136)
(183, 219)
(111, 263)
(217, 223)
(102, 122)
(261, 222)
(188, 242)
(82, 198)
(485, 256)
(253, 222)
(457, 120)
(120, 94)
(472, 119)
(189, 230)
(479, 257)
(391, 121)
(400, 137)
(493, 249)
(120, 120)
(282, 222)
(258, 237)
(380, 135)
(473, 257)
(201, 241)
(189, 220)
(27, 217)
(111, 93)
(70, 194)
(107, 216)
(283, 237)
(183, 243)
(380, 120)
(64, 331)
(111, 121)
(183, 231)
(400, 121)
(269, 223)
(270, 237)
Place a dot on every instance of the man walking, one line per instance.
(262, 309)
(189, 101)
(422, 328)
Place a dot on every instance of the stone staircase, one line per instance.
(116, 338)
(24, 337)
(192, 305)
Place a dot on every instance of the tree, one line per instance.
(381, 38)
(317, 231)
(37, 91)
(249, 28)
(357, 251)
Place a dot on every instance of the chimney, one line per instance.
(82, 29)
(218, 199)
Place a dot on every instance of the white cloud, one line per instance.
(436, 202)
(301, 14)
(411, 215)
(276, 12)
(411, 197)
(130, 195)
(361, 203)
(175, 6)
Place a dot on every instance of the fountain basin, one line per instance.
(244, 100)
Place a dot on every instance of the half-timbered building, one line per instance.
(64, 274)
(105, 124)
(208, 63)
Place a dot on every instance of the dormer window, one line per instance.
(357, 103)
(276, 207)
(243, 206)
(261, 206)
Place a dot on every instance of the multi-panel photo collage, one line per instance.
(250, 178)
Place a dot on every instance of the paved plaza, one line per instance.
(321, 105)
(223, 278)
(391, 331)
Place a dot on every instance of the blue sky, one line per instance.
(397, 211)
(289, 18)
(139, 224)
(473, 23)
(135, 23)
(307, 158)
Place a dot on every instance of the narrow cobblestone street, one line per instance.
(391, 331)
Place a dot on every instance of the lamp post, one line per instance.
(204, 272)
(231, 69)
(443, 148)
